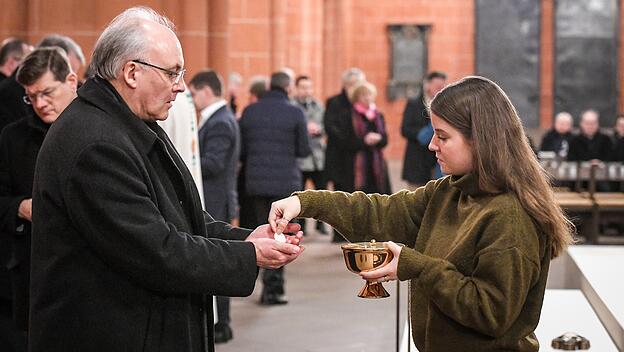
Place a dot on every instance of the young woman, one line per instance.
(476, 244)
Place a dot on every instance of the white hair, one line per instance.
(124, 40)
(352, 74)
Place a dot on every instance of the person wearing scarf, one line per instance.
(370, 171)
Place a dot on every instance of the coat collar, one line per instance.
(468, 184)
(275, 94)
(35, 123)
(100, 93)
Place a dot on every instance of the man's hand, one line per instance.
(314, 129)
(25, 209)
(282, 211)
(293, 233)
(271, 254)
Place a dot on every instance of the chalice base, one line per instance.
(373, 290)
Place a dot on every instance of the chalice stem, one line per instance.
(373, 289)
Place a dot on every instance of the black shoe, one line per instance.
(223, 333)
(271, 299)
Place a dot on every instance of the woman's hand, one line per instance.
(282, 211)
(372, 138)
(389, 271)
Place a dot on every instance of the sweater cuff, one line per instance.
(309, 203)
(411, 264)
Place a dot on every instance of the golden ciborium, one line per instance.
(366, 256)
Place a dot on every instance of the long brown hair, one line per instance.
(502, 157)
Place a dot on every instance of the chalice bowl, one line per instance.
(367, 256)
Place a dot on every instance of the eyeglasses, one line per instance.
(47, 94)
(175, 77)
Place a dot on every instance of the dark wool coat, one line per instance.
(12, 106)
(274, 134)
(123, 257)
(20, 142)
(419, 161)
(583, 148)
(219, 150)
(337, 117)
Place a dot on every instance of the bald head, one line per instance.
(563, 122)
(590, 123)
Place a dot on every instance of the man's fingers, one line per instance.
(292, 227)
(287, 248)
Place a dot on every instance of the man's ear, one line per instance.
(130, 73)
(72, 79)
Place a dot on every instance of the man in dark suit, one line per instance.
(123, 256)
(13, 107)
(219, 151)
(419, 161)
(274, 134)
(337, 122)
(12, 52)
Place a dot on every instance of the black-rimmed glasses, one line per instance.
(175, 77)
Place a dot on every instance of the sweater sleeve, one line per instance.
(362, 217)
(490, 298)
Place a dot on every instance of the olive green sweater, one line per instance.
(477, 263)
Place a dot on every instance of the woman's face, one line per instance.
(366, 99)
(452, 149)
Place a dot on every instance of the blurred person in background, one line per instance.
(50, 86)
(312, 167)
(273, 135)
(219, 150)
(12, 107)
(591, 145)
(557, 139)
(366, 140)
(419, 162)
(618, 139)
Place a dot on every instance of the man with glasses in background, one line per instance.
(123, 257)
(50, 86)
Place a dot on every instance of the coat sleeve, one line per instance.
(9, 201)
(413, 119)
(302, 143)
(110, 204)
(362, 217)
(217, 140)
(384, 135)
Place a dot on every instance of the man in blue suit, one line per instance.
(219, 150)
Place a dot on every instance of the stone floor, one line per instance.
(324, 313)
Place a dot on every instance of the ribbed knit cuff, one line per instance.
(309, 202)
(411, 264)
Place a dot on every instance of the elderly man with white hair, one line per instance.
(123, 257)
(557, 139)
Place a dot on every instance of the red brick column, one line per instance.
(547, 64)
